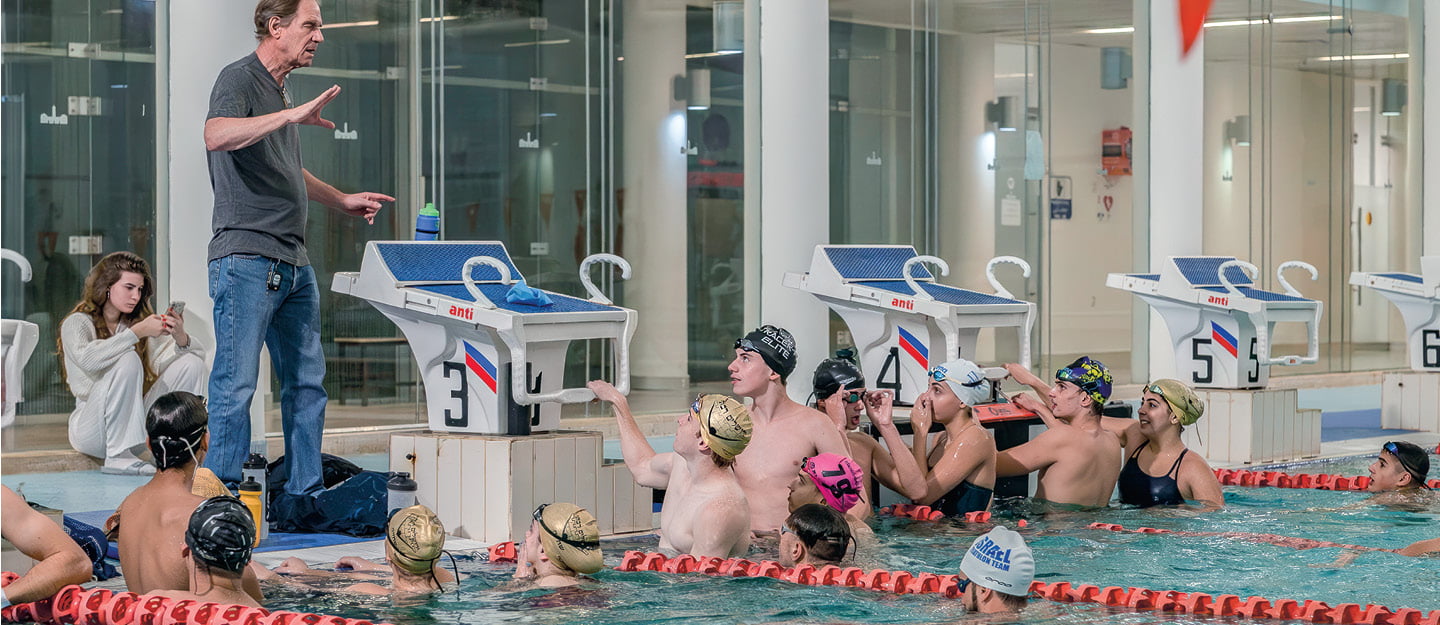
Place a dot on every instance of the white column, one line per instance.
(795, 170)
(966, 150)
(1430, 69)
(1172, 180)
(655, 209)
(199, 38)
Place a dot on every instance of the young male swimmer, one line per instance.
(218, 539)
(841, 394)
(996, 573)
(705, 512)
(833, 481)
(1078, 460)
(814, 534)
(414, 540)
(1065, 405)
(562, 544)
(785, 431)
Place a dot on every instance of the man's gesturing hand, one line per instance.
(309, 112)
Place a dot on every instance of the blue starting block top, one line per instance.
(1203, 271)
(875, 263)
(496, 293)
(941, 293)
(441, 262)
(1406, 277)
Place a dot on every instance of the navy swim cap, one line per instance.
(221, 533)
(775, 345)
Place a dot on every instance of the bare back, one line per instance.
(152, 532)
(1085, 470)
(777, 446)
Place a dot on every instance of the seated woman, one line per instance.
(1162, 471)
(119, 357)
(960, 470)
(814, 534)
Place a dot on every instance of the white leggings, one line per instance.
(112, 421)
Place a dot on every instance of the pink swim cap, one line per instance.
(838, 478)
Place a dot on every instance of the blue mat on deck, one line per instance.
(276, 541)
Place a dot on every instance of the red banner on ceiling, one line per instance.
(1192, 21)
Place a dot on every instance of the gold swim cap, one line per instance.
(1183, 402)
(570, 537)
(724, 424)
(416, 536)
(207, 485)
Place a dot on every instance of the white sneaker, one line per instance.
(127, 466)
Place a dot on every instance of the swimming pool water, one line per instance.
(1349, 466)
(1065, 549)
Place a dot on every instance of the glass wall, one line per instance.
(77, 170)
(1308, 156)
(954, 128)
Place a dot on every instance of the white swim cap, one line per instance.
(1001, 562)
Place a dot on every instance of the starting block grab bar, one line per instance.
(1262, 326)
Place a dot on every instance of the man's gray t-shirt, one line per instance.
(260, 201)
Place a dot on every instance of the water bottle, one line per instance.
(400, 492)
(254, 470)
(250, 496)
(427, 223)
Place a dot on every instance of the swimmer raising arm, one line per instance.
(650, 469)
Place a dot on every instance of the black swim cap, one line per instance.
(775, 345)
(221, 534)
(834, 373)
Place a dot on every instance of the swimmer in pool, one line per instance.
(834, 481)
(1078, 459)
(1422, 548)
(814, 534)
(786, 431)
(706, 512)
(1398, 475)
(1127, 430)
(562, 544)
(414, 540)
(218, 540)
(840, 393)
(152, 521)
(960, 470)
(1163, 472)
(996, 573)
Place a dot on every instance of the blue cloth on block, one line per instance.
(521, 293)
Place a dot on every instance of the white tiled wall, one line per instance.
(486, 487)
(1410, 400)
(1254, 426)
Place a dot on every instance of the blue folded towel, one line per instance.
(521, 293)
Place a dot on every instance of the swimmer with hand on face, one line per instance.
(414, 541)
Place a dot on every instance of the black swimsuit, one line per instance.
(1139, 488)
(965, 497)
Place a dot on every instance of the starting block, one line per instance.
(489, 366)
(897, 312)
(1220, 328)
(1407, 399)
(1220, 324)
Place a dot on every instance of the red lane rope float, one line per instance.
(503, 552)
(926, 513)
(74, 605)
(1280, 479)
(904, 582)
(1274, 539)
(1232, 605)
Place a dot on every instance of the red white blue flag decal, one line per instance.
(480, 365)
(915, 347)
(1223, 338)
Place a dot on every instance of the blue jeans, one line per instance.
(288, 322)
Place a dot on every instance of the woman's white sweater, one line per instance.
(88, 358)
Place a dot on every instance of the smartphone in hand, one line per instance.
(177, 308)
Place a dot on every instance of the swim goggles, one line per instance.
(961, 585)
(578, 544)
(1394, 450)
(938, 374)
(695, 410)
(747, 345)
(854, 396)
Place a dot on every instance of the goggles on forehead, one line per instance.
(1394, 450)
(938, 374)
(695, 409)
(578, 544)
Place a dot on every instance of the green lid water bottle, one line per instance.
(427, 223)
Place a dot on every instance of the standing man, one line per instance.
(260, 276)
(786, 431)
